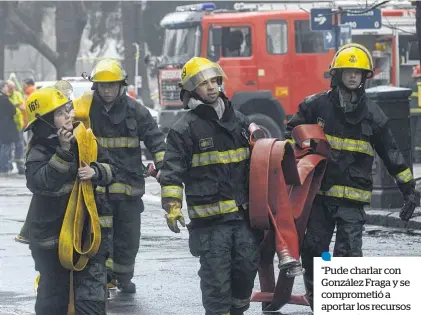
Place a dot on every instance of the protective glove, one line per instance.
(408, 207)
(173, 215)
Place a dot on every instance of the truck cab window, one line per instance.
(276, 37)
(235, 43)
(306, 41)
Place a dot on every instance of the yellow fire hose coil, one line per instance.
(72, 241)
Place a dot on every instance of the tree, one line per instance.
(132, 13)
(71, 19)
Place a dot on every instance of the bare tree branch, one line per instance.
(33, 38)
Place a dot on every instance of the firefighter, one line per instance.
(208, 151)
(355, 127)
(120, 123)
(51, 171)
(416, 113)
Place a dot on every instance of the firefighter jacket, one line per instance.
(354, 138)
(120, 131)
(50, 174)
(211, 158)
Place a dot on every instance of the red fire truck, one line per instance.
(271, 57)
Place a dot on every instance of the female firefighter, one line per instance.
(208, 151)
(355, 128)
(53, 170)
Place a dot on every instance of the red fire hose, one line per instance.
(284, 180)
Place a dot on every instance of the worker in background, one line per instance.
(416, 114)
(28, 88)
(52, 167)
(8, 131)
(120, 123)
(131, 90)
(355, 128)
(208, 152)
(19, 146)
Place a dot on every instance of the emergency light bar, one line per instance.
(196, 7)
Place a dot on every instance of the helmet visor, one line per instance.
(205, 73)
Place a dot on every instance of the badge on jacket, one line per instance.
(205, 143)
(320, 122)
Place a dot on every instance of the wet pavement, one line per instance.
(165, 273)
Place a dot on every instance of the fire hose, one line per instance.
(81, 206)
(284, 181)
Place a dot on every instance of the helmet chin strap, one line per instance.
(337, 81)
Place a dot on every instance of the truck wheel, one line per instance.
(268, 125)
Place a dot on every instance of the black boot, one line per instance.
(126, 287)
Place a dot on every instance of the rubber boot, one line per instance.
(127, 287)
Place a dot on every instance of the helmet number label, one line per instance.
(33, 105)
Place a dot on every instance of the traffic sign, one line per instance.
(321, 20)
(368, 20)
(345, 37)
(329, 40)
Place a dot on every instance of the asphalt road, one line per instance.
(165, 273)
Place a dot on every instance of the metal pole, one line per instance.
(336, 30)
(136, 70)
(397, 59)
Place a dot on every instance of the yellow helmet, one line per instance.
(108, 71)
(197, 70)
(43, 101)
(354, 56)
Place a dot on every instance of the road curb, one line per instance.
(391, 219)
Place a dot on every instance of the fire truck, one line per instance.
(272, 58)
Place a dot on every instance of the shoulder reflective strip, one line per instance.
(224, 157)
(292, 141)
(47, 243)
(59, 164)
(404, 176)
(120, 188)
(123, 142)
(415, 110)
(106, 221)
(204, 211)
(122, 268)
(238, 303)
(108, 172)
(350, 145)
(347, 193)
(159, 156)
(172, 191)
(109, 263)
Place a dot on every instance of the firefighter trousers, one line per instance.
(229, 259)
(89, 284)
(126, 236)
(324, 217)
